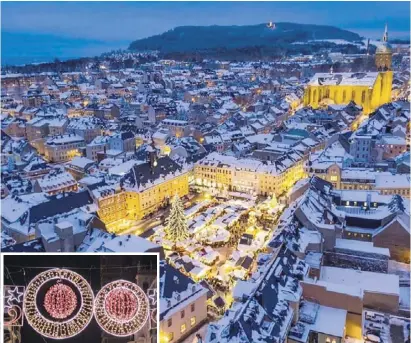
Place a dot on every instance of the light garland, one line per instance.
(152, 297)
(76, 317)
(13, 304)
(121, 308)
(60, 301)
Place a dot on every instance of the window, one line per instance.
(193, 321)
(363, 96)
(169, 322)
(353, 95)
(334, 178)
(182, 314)
(344, 96)
(193, 307)
(183, 328)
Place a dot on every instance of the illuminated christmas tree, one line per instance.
(176, 229)
(273, 201)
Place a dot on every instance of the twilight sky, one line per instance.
(115, 24)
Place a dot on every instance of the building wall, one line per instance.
(390, 151)
(353, 326)
(112, 208)
(172, 331)
(403, 191)
(332, 299)
(140, 204)
(381, 302)
(18, 236)
(248, 181)
(92, 150)
(395, 238)
(61, 153)
(15, 130)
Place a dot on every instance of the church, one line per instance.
(367, 89)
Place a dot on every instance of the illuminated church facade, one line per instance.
(368, 89)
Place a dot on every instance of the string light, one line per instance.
(121, 308)
(76, 319)
(121, 304)
(13, 302)
(60, 301)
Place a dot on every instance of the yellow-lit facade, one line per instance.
(140, 204)
(113, 207)
(134, 205)
(221, 176)
(370, 97)
(61, 153)
(334, 175)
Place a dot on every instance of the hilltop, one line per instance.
(250, 39)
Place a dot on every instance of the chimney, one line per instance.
(368, 203)
(64, 230)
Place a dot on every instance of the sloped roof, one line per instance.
(59, 206)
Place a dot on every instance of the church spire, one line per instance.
(385, 37)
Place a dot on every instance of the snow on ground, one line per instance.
(335, 41)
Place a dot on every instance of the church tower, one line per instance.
(383, 61)
(383, 54)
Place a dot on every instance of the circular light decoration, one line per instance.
(58, 303)
(121, 304)
(121, 308)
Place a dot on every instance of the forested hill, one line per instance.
(210, 39)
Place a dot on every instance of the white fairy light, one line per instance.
(13, 305)
(76, 320)
(121, 308)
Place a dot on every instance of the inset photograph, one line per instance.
(80, 298)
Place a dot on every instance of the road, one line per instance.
(144, 228)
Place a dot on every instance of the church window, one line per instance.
(327, 93)
(353, 95)
(320, 95)
(363, 97)
(315, 95)
(344, 96)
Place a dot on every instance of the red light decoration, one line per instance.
(121, 304)
(60, 301)
(121, 308)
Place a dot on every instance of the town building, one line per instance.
(370, 90)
